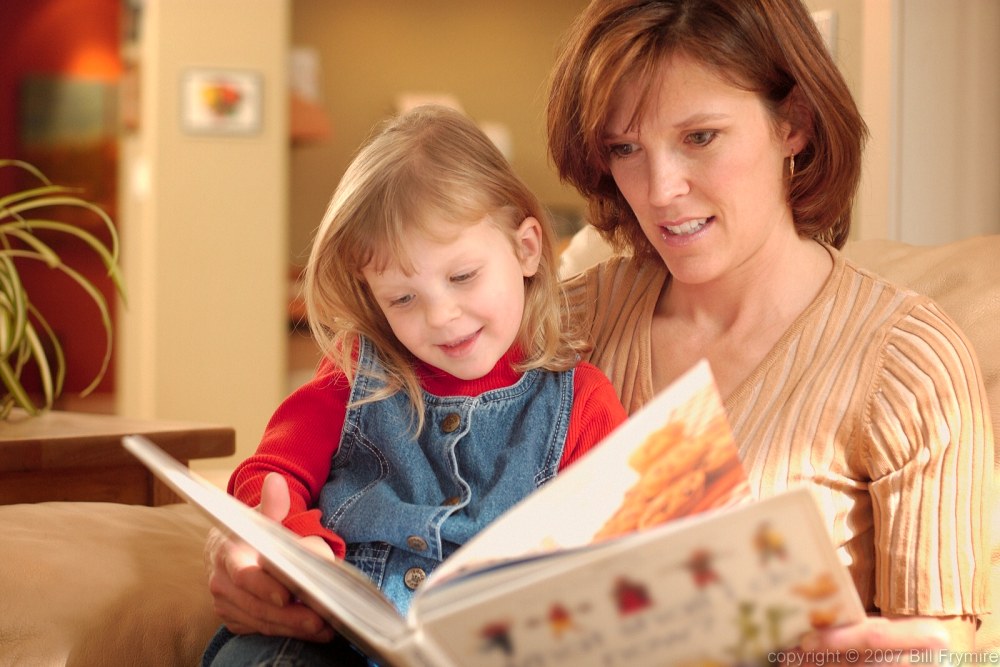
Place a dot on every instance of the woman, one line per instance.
(718, 145)
(716, 141)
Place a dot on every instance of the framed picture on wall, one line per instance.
(221, 101)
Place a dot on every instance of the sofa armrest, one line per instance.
(103, 584)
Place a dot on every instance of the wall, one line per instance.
(68, 40)
(494, 57)
(949, 120)
(205, 257)
(926, 75)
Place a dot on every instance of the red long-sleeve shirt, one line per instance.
(304, 433)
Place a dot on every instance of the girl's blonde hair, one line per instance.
(427, 166)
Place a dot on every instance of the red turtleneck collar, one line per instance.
(438, 382)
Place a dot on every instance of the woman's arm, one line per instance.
(245, 596)
(929, 456)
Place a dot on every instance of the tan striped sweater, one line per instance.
(872, 396)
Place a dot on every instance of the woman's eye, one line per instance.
(701, 137)
(621, 150)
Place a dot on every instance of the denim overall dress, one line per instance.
(403, 503)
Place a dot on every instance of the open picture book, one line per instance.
(647, 551)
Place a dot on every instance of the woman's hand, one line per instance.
(245, 596)
(915, 640)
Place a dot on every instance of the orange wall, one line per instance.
(70, 38)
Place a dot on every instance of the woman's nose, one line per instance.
(667, 179)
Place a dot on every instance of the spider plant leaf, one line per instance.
(44, 251)
(8, 202)
(102, 306)
(17, 209)
(25, 166)
(26, 338)
(51, 385)
(23, 230)
(15, 307)
(17, 394)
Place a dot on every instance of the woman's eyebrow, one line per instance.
(701, 118)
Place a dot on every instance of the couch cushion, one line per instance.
(103, 584)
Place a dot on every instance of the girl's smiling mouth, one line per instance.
(459, 347)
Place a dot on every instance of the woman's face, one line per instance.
(703, 170)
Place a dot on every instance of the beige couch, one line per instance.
(99, 584)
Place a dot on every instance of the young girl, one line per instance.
(449, 390)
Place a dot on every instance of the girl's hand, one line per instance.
(245, 596)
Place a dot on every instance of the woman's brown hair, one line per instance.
(770, 47)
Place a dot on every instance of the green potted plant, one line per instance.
(28, 233)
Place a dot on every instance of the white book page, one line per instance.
(569, 510)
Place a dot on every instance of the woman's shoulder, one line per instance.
(865, 286)
(618, 278)
(917, 330)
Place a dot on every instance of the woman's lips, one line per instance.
(686, 228)
(685, 232)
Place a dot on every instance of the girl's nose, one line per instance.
(441, 310)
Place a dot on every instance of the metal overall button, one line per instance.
(414, 577)
(416, 543)
(451, 422)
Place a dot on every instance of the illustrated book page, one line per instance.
(674, 457)
(731, 587)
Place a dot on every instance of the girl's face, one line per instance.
(460, 308)
(702, 171)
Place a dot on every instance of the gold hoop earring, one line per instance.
(791, 166)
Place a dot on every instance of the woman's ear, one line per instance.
(798, 125)
(529, 245)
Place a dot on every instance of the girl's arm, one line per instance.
(299, 443)
(596, 412)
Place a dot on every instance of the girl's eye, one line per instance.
(464, 277)
(400, 301)
(701, 137)
(621, 150)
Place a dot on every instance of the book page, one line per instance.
(727, 589)
(674, 457)
(349, 601)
